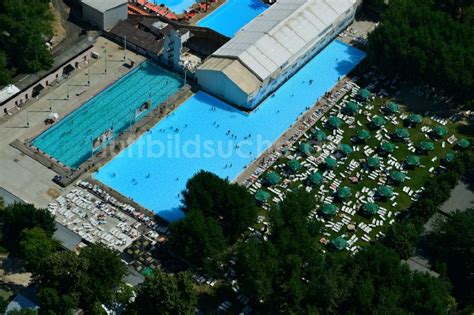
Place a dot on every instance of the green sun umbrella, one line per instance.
(330, 162)
(272, 178)
(412, 160)
(351, 108)
(385, 191)
(345, 148)
(370, 208)
(328, 209)
(339, 243)
(294, 165)
(392, 108)
(414, 118)
(378, 121)
(402, 133)
(319, 135)
(262, 196)
(426, 145)
(363, 135)
(387, 147)
(398, 176)
(147, 272)
(306, 148)
(344, 192)
(373, 162)
(364, 94)
(449, 157)
(463, 143)
(334, 122)
(440, 131)
(316, 178)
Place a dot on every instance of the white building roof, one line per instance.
(7, 92)
(104, 5)
(281, 32)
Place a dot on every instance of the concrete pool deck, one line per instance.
(20, 174)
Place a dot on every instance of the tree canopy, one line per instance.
(287, 274)
(230, 204)
(19, 217)
(35, 246)
(452, 243)
(80, 280)
(423, 43)
(199, 240)
(166, 293)
(24, 28)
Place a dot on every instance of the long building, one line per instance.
(271, 48)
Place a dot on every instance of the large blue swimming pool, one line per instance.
(233, 15)
(203, 133)
(70, 140)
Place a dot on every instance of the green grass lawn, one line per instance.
(417, 176)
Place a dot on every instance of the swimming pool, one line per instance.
(177, 6)
(233, 15)
(70, 140)
(203, 133)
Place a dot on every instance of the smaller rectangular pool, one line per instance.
(177, 6)
(70, 140)
(232, 16)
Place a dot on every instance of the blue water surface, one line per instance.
(153, 171)
(232, 16)
(70, 140)
(177, 6)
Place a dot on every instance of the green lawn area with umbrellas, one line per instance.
(381, 159)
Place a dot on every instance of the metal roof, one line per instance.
(236, 72)
(69, 239)
(283, 32)
(104, 5)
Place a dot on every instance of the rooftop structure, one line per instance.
(104, 14)
(7, 92)
(265, 52)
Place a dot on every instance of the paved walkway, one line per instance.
(288, 134)
(462, 198)
(20, 174)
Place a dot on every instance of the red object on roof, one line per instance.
(171, 16)
(136, 10)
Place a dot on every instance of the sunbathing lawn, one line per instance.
(416, 177)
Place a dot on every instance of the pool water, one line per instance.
(177, 6)
(232, 16)
(70, 140)
(203, 133)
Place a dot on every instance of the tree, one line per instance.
(451, 243)
(24, 26)
(168, 293)
(81, 280)
(288, 274)
(103, 275)
(199, 240)
(5, 73)
(256, 267)
(402, 238)
(35, 246)
(421, 43)
(53, 303)
(18, 217)
(230, 204)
